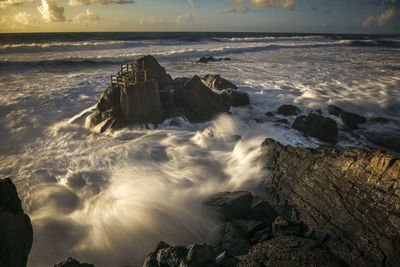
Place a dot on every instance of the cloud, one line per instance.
(386, 16)
(51, 12)
(85, 17)
(191, 3)
(22, 18)
(12, 3)
(284, 4)
(152, 21)
(100, 2)
(371, 20)
(185, 19)
(241, 10)
(390, 15)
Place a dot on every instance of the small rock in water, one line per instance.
(317, 126)
(269, 114)
(379, 120)
(288, 110)
(350, 120)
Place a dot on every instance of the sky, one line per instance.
(309, 16)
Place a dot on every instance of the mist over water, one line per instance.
(109, 198)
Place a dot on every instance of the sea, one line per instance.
(108, 198)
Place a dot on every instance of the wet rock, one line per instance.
(269, 114)
(288, 251)
(317, 126)
(201, 101)
(288, 110)
(210, 58)
(216, 82)
(285, 121)
(230, 205)
(233, 239)
(16, 234)
(226, 259)
(387, 140)
(379, 120)
(262, 210)
(235, 98)
(282, 227)
(154, 71)
(348, 199)
(197, 255)
(350, 120)
(71, 262)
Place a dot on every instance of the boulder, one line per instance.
(71, 262)
(230, 205)
(262, 210)
(197, 255)
(201, 101)
(288, 110)
(349, 200)
(16, 234)
(288, 251)
(235, 98)
(154, 71)
(210, 58)
(350, 120)
(317, 126)
(216, 82)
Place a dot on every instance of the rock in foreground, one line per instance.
(350, 200)
(16, 234)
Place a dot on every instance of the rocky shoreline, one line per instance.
(317, 207)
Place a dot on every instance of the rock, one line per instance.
(350, 120)
(269, 114)
(379, 120)
(197, 255)
(285, 121)
(317, 126)
(154, 71)
(210, 58)
(233, 240)
(288, 110)
(226, 259)
(235, 98)
(71, 262)
(216, 82)
(201, 101)
(16, 234)
(288, 251)
(262, 210)
(282, 227)
(384, 139)
(349, 199)
(230, 205)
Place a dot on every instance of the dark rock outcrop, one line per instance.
(197, 255)
(235, 98)
(349, 200)
(211, 58)
(71, 262)
(317, 126)
(288, 251)
(288, 110)
(16, 234)
(350, 120)
(384, 139)
(216, 82)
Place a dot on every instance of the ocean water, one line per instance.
(109, 198)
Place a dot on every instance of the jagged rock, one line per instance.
(16, 234)
(197, 255)
(288, 110)
(216, 82)
(230, 205)
(348, 199)
(235, 98)
(350, 120)
(317, 126)
(201, 101)
(153, 71)
(233, 239)
(71, 262)
(288, 251)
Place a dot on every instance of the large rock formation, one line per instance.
(349, 200)
(16, 233)
(144, 92)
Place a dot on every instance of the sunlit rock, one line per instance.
(216, 82)
(235, 98)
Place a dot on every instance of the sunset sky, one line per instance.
(323, 16)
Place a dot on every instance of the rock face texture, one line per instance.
(317, 126)
(144, 92)
(350, 120)
(349, 200)
(16, 233)
(288, 110)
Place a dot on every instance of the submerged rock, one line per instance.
(71, 262)
(350, 120)
(235, 98)
(317, 126)
(216, 82)
(288, 110)
(349, 200)
(210, 58)
(16, 234)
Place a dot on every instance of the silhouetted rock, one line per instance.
(197, 255)
(379, 120)
(350, 120)
(317, 126)
(154, 71)
(269, 114)
(285, 121)
(262, 210)
(349, 200)
(288, 110)
(201, 101)
(230, 204)
(71, 262)
(387, 140)
(288, 251)
(235, 98)
(16, 232)
(216, 82)
(210, 58)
